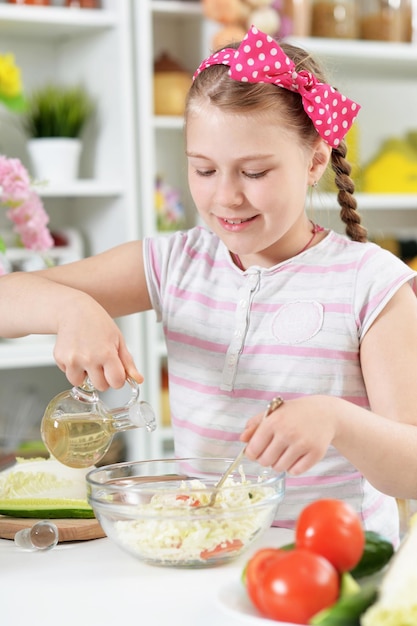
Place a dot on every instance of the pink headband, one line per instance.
(259, 59)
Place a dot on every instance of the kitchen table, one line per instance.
(95, 583)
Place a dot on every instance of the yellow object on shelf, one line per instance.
(170, 92)
(393, 170)
(170, 86)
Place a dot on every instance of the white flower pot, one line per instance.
(55, 159)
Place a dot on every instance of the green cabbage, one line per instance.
(43, 488)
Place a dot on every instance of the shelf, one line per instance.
(34, 351)
(53, 22)
(168, 122)
(381, 57)
(183, 8)
(371, 202)
(80, 188)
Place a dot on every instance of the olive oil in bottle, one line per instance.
(77, 428)
(77, 440)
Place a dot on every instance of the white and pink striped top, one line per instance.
(237, 338)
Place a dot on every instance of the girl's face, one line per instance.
(248, 177)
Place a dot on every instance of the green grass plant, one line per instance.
(57, 111)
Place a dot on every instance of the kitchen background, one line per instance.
(135, 58)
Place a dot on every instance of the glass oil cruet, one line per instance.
(77, 427)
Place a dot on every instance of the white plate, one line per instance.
(233, 600)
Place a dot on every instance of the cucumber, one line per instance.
(46, 508)
(347, 610)
(376, 554)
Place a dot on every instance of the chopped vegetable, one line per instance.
(222, 548)
(165, 531)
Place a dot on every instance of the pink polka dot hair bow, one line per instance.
(259, 59)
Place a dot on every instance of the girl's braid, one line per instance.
(348, 214)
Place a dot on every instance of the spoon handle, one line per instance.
(272, 406)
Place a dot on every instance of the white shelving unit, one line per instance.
(373, 73)
(93, 47)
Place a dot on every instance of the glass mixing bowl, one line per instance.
(155, 510)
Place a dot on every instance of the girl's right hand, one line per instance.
(294, 437)
(89, 343)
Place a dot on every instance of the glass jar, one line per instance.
(337, 19)
(409, 10)
(83, 4)
(297, 15)
(386, 20)
(41, 3)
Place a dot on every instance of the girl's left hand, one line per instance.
(294, 437)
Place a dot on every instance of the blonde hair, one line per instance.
(214, 85)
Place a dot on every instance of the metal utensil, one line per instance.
(272, 406)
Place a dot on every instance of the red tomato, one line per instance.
(254, 571)
(296, 586)
(188, 499)
(333, 529)
(222, 548)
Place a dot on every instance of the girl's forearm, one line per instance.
(383, 450)
(32, 304)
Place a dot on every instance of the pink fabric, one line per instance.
(259, 59)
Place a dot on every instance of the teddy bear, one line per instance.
(278, 18)
(236, 16)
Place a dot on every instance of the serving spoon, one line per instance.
(272, 406)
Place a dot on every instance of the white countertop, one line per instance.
(95, 583)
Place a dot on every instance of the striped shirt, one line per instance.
(235, 339)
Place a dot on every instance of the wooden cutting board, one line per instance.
(68, 529)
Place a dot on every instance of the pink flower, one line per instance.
(31, 219)
(14, 181)
(24, 207)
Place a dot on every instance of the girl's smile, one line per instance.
(236, 224)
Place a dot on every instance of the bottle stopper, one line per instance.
(41, 536)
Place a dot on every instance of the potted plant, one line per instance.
(53, 122)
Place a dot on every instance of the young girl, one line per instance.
(260, 303)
